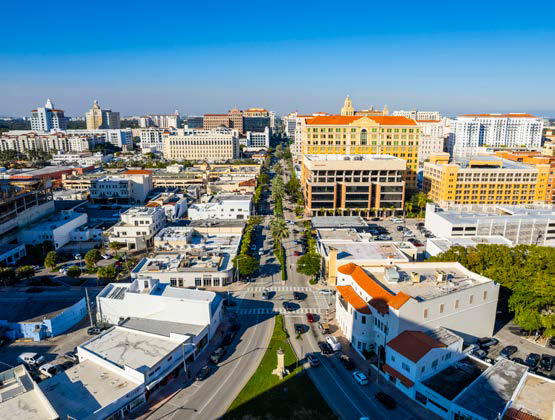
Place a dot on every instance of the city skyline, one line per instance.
(404, 56)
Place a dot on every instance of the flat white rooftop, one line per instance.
(84, 389)
(502, 213)
(468, 241)
(368, 251)
(123, 347)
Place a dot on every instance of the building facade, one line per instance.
(365, 135)
(352, 183)
(47, 142)
(218, 144)
(349, 110)
(418, 115)
(485, 180)
(233, 120)
(98, 118)
(222, 207)
(48, 118)
(129, 187)
(151, 140)
(122, 138)
(160, 120)
(259, 139)
(472, 131)
(432, 138)
(137, 227)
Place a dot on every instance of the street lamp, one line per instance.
(183, 351)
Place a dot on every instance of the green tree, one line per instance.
(107, 272)
(279, 228)
(246, 264)
(92, 257)
(309, 264)
(25, 272)
(51, 259)
(115, 246)
(73, 272)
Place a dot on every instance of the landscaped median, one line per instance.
(267, 396)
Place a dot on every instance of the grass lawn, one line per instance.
(266, 396)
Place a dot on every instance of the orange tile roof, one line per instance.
(354, 299)
(344, 120)
(499, 115)
(370, 286)
(518, 414)
(248, 183)
(396, 374)
(137, 172)
(414, 345)
(152, 204)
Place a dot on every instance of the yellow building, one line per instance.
(486, 180)
(348, 110)
(94, 117)
(361, 135)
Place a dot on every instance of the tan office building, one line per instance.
(98, 118)
(233, 119)
(353, 184)
(215, 145)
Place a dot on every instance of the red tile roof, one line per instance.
(354, 299)
(396, 374)
(152, 204)
(414, 345)
(345, 120)
(381, 298)
(518, 414)
(248, 183)
(137, 172)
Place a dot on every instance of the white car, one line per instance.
(48, 370)
(408, 234)
(332, 341)
(326, 292)
(32, 359)
(360, 377)
(106, 256)
(397, 220)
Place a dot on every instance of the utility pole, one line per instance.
(88, 305)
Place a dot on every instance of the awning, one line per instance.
(396, 374)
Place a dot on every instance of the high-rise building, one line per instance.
(418, 115)
(151, 139)
(48, 118)
(472, 131)
(365, 135)
(348, 110)
(160, 120)
(432, 137)
(218, 144)
(352, 184)
(258, 139)
(98, 118)
(485, 180)
(233, 119)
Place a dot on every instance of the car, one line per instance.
(397, 219)
(72, 356)
(299, 328)
(551, 343)
(532, 360)
(420, 224)
(266, 294)
(518, 360)
(429, 235)
(312, 359)
(66, 365)
(37, 267)
(375, 219)
(48, 370)
(310, 317)
(486, 342)
(94, 330)
(106, 256)
(30, 359)
(387, 401)
(288, 306)
(261, 252)
(546, 363)
(347, 362)
(326, 292)
(297, 253)
(228, 338)
(408, 234)
(77, 257)
(298, 296)
(325, 347)
(360, 377)
(400, 228)
(325, 327)
(334, 344)
(217, 355)
(253, 247)
(480, 354)
(508, 351)
(203, 373)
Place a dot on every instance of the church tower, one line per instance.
(348, 109)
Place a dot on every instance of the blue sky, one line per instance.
(144, 57)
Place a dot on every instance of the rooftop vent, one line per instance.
(391, 275)
(441, 276)
(415, 277)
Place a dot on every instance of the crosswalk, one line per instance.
(268, 311)
(279, 289)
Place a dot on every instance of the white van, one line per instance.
(332, 341)
(31, 359)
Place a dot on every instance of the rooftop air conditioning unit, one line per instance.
(415, 277)
(441, 276)
(392, 275)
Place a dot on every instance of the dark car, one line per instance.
(297, 253)
(532, 360)
(298, 295)
(228, 339)
(375, 219)
(347, 362)
(486, 342)
(386, 400)
(400, 228)
(94, 330)
(480, 354)
(288, 306)
(310, 317)
(299, 328)
(551, 343)
(325, 347)
(518, 360)
(217, 355)
(203, 373)
(312, 359)
(508, 351)
(4, 340)
(546, 363)
(72, 356)
(66, 365)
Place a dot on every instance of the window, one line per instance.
(405, 367)
(198, 281)
(425, 313)
(434, 364)
(471, 299)
(363, 319)
(423, 369)
(447, 356)
(441, 307)
(173, 282)
(485, 294)
(355, 316)
(180, 282)
(392, 358)
(420, 398)
(457, 304)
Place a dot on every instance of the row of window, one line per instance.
(456, 304)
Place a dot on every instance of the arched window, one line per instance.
(363, 137)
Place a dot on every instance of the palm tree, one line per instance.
(392, 208)
(408, 207)
(422, 199)
(279, 228)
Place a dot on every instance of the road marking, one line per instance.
(273, 311)
(279, 289)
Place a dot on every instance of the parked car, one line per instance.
(94, 330)
(375, 219)
(508, 351)
(72, 356)
(546, 363)
(387, 401)
(347, 362)
(203, 373)
(326, 292)
(360, 377)
(334, 344)
(397, 220)
(288, 306)
(519, 361)
(228, 338)
(253, 247)
(551, 343)
(480, 354)
(487, 342)
(77, 257)
(217, 355)
(31, 359)
(325, 327)
(48, 370)
(325, 347)
(312, 359)
(310, 317)
(400, 228)
(532, 360)
(66, 365)
(408, 234)
(299, 328)
(266, 294)
(297, 254)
